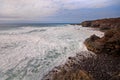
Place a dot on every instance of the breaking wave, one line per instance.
(28, 53)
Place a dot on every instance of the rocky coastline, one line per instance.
(103, 24)
(103, 64)
(110, 42)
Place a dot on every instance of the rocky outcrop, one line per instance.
(87, 67)
(99, 66)
(92, 44)
(103, 24)
(71, 75)
(86, 23)
(72, 69)
(109, 43)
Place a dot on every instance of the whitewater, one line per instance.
(29, 53)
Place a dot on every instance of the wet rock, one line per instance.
(92, 44)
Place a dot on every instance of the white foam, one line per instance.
(28, 53)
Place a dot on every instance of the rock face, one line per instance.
(103, 24)
(109, 44)
(92, 44)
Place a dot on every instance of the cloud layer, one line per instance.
(29, 9)
(26, 8)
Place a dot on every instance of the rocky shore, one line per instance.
(108, 44)
(103, 24)
(103, 64)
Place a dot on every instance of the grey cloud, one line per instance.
(30, 9)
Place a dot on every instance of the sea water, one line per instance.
(28, 52)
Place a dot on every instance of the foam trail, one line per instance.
(28, 53)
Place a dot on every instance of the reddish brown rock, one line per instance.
(93, 45)
(86, 23)
(82, 67)
(103, 24)
(109, 43)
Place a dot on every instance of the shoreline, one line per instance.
(36, 51)
(103, 66)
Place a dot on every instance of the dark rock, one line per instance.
(100, 67)
(71, 75)
(86, 23)
(92, 44)
(116, 77)
(104, 27)
(70, 70)
(109, 43)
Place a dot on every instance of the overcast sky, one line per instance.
(57, 11)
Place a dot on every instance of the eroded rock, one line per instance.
(103, 24)
(109, 43)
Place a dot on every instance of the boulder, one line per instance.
(92, 44)
(109, 43)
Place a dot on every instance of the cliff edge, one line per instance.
(103, 24)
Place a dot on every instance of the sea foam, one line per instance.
(28, 53)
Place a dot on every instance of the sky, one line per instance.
(57, 11)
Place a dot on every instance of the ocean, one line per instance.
(30, 51)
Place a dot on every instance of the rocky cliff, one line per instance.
(102, 24)
(109, 43)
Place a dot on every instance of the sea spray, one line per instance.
(28, 53)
